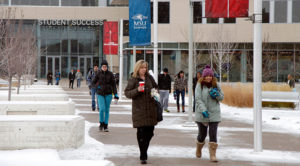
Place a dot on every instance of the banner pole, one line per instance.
(155, 21)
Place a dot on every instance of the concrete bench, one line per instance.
(35, 97)
(37, 108)
(38, 131)
(281, 96)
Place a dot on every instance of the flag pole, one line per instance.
(121, 61)
(155, 58)
(257, 59)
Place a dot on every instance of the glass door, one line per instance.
(85, 63)
(53, 64)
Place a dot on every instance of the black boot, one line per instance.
(101, 126)
(105, 127)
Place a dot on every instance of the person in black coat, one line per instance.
(105, 83)
(49, 78)
(71, 78)
(164, 86)
(195, 80)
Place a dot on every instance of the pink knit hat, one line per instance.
(207, 71)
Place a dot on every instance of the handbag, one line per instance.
(159, 111)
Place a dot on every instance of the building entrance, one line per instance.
(53, 64)
(85, 63)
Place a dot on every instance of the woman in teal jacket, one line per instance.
(208, 113)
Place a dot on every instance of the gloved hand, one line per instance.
(214, 93)
(205, 114)
(116, 96)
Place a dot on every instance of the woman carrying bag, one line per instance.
(208, 113)
(144, 108)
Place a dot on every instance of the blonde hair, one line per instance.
(137, 68)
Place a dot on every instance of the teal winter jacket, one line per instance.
(205, 102)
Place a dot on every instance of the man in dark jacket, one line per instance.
(93, 89)
(106, 86)
(164, 86)
(71, 78)
(49, 78)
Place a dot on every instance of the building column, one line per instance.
(69, 51)
(244, 66)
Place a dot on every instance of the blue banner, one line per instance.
(139, 23)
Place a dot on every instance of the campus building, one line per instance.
(64, 45)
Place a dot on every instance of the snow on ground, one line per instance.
(93, 152)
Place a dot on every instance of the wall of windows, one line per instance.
(62, 3)
(279, 59)
(281, 11)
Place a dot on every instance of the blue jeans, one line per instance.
(94, 95)
(178, 92)
(57, 82)
(78, 83)
(104, 103)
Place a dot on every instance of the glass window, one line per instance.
(43, 47)
(126, 28)
(64, 67)
(3, 2)
(70, 2)
(53, 47)
(197, 12)
(266, 11)
(36, 2)
(79, 2)
(85, 46)
(297, 67)
(163, 12)
(280, 11)
(64, 47)
(229, 20)
(43, 66)
(95, 47)
(170, 45)
(296, 11)
(213, 20)
(74, 47)
(285, 64)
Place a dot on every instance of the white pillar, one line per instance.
(190, 80)
(121, 61)
(155, 57)
(134, 57)
(257, 59)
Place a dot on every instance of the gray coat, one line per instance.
(205, 102)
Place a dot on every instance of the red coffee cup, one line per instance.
(142, 83)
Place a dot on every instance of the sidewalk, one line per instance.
(174, 145)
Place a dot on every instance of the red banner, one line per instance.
(219, 8)
(110, 38)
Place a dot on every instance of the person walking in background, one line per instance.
(49, 78)
(57, 77)
(164, 86)
(180, 87)
(106, 86)
(92, 87)
(144, 109)
(208, 112)
(71, 78)
(79, 78)
(291, 82)
(195, 80)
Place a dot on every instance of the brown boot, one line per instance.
(183, 109)
(199, 149)
(212, 151)
(178, 109)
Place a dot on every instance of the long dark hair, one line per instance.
(178, 75)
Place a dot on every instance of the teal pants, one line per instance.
(104, 104)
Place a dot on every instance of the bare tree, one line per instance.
(222, 51)
(16, 46)
(268, 62)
